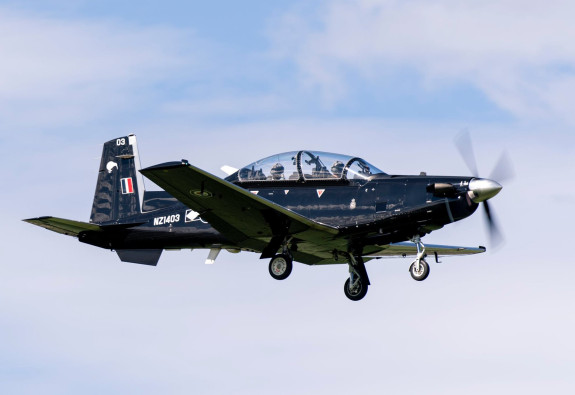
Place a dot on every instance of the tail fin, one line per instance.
(120, 188)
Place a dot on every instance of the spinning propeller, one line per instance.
(482, 189)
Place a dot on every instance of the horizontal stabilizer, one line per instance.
(143, 257)
(64, 226)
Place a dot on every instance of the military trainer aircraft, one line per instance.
(312, 207)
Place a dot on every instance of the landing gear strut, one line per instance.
(419, 269)
(355, 287)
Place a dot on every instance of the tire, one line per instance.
(356, 294)
(280, 267)
(422, 275)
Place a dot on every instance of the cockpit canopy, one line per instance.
(305, 166)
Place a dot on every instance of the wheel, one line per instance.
(280, 267)
(357, 293)
(422, 273)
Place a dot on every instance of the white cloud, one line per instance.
(519, 53)
(56, 71)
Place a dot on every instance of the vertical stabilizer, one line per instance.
(120, 187)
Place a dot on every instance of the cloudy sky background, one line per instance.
(227, 82)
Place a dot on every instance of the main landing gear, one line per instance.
(355, 287)
(281, 266)
(419, 269)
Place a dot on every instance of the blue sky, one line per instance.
(231, 82)
(175, 55)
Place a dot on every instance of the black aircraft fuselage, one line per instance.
(385, 209)
(308, 206)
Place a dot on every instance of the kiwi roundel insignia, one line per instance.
(199, 193)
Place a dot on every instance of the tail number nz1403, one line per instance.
(168, 219)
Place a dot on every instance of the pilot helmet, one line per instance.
(277, 171)
(337, 168)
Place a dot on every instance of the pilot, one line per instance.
(277, 172)
(258, 175)
(337, 168)
(365, 171)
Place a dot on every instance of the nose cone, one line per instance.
(481, 189)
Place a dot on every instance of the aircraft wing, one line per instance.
(245, 218)
(406, 249)
(64, 226)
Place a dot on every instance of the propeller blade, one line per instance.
(465, 147)
(495, 236)
(487, 187)
(503, 170)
